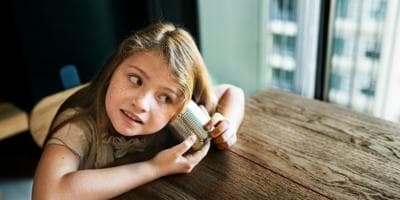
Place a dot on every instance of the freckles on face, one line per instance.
(142, 96)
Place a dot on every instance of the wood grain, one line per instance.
(223, 175)
(340, 153)
(13, 120)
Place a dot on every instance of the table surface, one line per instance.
(290, 147)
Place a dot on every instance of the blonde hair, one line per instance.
(184, 60)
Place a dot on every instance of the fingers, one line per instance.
(198, 155)
(220, 128)
(186, 144)
(215, 120)
(225, 140)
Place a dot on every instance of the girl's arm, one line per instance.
(228, 117)
(58, 177)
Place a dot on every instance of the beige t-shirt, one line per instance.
(98, 150)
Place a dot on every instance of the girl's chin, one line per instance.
(126, 131)
(129, 133)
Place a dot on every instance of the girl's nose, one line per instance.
(142, 102)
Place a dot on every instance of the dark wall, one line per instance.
(181, 12)
(40, 37)
(13, 77)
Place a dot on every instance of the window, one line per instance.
(285, 10)
(283, 78)
(373, 50)
(338, 46)
(359, 65)
(377, 10)
(273, 44)
(292, 28)
(284, 44)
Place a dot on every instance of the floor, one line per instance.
(19, 156)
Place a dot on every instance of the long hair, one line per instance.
(184, 62)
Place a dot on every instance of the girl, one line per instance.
(123, 114)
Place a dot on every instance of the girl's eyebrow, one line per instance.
(171, 91)
(140, 71)
(147, 77)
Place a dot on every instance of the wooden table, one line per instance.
(290, 147)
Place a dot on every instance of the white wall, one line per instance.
(229, 59)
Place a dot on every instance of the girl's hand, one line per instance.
(221, 131)
(175, 159)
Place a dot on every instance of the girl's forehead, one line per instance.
(149, 56)
(139, 58)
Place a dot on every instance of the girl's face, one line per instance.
(142, 96)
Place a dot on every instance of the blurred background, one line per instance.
(339, 51)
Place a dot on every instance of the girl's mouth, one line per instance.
(132, 116)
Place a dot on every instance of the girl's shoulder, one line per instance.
(66, 115)
(75, 116)
(74, 130)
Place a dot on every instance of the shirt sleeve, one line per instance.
(74, 135)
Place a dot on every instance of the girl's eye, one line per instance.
(135, 80)
(165, 99)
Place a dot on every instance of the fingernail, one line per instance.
(213, 134)
(192, 137)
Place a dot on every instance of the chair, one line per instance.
(13, 120)
(44, 112)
